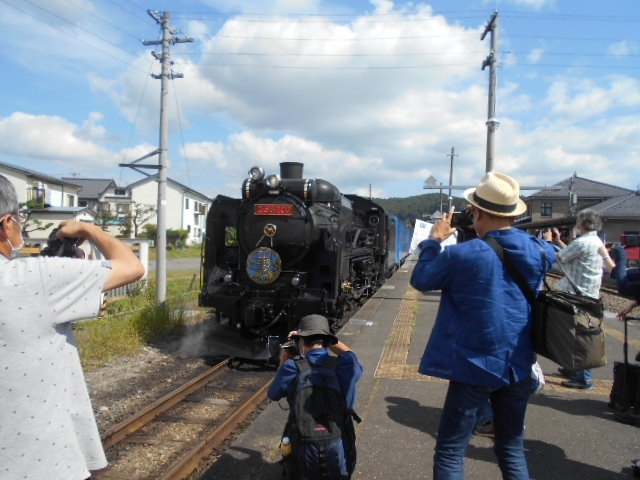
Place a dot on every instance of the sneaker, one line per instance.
(565, 372)
(485, 430)
(577, 385)
(628, 416)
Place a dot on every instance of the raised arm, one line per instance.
(125, 266)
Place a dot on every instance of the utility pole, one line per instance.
(491, 61)
(451, 155)
(166, 74)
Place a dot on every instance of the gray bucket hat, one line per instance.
(316, 325)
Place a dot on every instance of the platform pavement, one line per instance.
(570, 434)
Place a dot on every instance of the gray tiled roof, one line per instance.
(92, 187)
(624, 206)
(583, 187)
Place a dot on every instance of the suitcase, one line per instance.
(625, 391)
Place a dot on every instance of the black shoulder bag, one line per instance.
(565, 327)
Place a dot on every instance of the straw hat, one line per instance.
(316, 325)
(498, 194)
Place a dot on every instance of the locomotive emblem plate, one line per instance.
(264, 265)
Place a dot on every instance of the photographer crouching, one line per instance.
(47, 426)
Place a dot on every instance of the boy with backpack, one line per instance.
(320, 389)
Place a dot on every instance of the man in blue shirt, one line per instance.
(481, 340)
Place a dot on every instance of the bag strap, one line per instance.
(511, 268)
(569, 279)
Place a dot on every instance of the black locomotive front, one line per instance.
(276, 255)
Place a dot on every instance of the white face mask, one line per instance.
(15, 251)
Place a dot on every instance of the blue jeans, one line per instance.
(583, 376)
(460, 413)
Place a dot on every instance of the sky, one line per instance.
(369, 95)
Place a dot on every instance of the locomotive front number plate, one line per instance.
(280, 209)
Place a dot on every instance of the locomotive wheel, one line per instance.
(234, 363)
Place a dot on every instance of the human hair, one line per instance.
(311, 340)
(8, 197)
(589, 220)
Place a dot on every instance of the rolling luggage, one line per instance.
(625, 391)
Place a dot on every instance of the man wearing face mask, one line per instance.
(47, 426)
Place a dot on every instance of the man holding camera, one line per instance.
(313, 341)
(47, 426)
(481, 339)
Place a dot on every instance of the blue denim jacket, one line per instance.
(482, 331)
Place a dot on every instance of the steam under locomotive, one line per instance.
(288, 248)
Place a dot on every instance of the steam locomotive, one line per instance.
(288, 248)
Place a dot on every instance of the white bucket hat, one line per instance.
(498, 194)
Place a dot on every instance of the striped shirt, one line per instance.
(583, 264)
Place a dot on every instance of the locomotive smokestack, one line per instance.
(291, 169)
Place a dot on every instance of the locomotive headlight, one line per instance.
(256, 173)
(228, 277)
(273, 181)
(296, 280)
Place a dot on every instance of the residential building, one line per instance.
(559, 204)
(186, 208)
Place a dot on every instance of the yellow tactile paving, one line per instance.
(393, 363)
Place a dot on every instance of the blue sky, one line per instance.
(370, 95)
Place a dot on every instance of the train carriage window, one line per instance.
(230, 236)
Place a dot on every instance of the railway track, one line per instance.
(171, 438)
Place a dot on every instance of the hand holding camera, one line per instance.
(60, 247)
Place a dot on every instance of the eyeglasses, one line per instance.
(21, 216)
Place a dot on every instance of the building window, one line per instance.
(120, 191)
(186, 204)
(83, 203)
(35, 195)
(70, 201)
(546, 209)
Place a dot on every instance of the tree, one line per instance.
(33, 225)
(141, 213)
(150, 231)
(105, 216)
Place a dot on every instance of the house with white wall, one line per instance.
(49, 199)
(186, 208)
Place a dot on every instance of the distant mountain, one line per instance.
(420, 207)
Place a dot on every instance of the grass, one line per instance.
(134, 321)
(176, 253)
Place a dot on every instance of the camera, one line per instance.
(59, 247)
(290, 345)
(463, 219)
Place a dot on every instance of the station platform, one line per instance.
(569, 434)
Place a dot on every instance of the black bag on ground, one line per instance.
(566, 327)
(320, 426)
(625, 391)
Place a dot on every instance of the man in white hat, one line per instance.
(481, 338)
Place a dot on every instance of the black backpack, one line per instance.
(320, 425)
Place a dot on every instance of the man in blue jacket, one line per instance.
(481, 340)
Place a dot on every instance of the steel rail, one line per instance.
(135, 422)
(184, 467)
